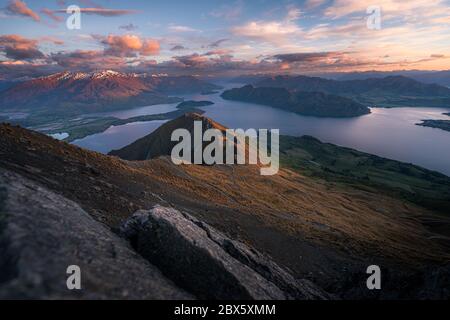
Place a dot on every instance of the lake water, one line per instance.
(389, 133)
(116, 137)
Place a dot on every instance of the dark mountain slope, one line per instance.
(106, 90)
(388, 91)
(394, 84)
(312, 226)
(159, 143)
(306, 103)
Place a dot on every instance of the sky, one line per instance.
(224, 38)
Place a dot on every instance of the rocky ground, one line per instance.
(319, 234)
(43, 233)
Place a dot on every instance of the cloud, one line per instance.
(128, 27)
(103, 11)
(25, 70)
(437, 56)
(129, 45)
(197, 59)
(275, 32)
(307, 56)
(51, 14)
(192, 60)
(341, 8)
(87, 60)
(293, 14)
(16, 47)
(17, 7)
(217, 43)
(219, 52)
(215, 62)
(310, 4)
(50, 39)
(228, 12)
(178, 28)
(178, 48)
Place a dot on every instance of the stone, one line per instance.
(42, 233)
(208, 264)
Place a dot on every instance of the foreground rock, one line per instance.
(205, 262)
(42, 233)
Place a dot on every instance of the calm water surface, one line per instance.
(389, 133)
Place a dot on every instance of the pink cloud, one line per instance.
(276, 32)
(51, 14)
(130, 45)
(17, 47)
(17, 7)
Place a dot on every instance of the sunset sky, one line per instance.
(208, 37)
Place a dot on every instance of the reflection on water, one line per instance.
(390, 133)
(141, 111)
(116, 137)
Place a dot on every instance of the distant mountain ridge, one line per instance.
(438, 77)
(92, 92)
(305, 103)
(389, 91)
(394, 84)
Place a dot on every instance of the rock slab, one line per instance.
(208, 264)
(42, 233)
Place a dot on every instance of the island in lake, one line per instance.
(317, 104)
(438, 124)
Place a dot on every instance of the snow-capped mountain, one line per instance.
(106, 87)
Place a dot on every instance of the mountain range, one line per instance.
(317, 104)
(77, 92)
(390, 91)
(438, 77)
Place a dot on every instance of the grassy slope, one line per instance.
(314, 226)
(364, 171)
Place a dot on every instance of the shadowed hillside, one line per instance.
(312, 226)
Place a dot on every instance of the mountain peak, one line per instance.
(158, 143)
(106, 74)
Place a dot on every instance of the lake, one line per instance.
(389, 133)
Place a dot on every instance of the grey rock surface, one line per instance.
(207, 263)
(42, 233)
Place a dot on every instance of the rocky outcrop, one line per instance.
(207, 263)
(42, 233)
